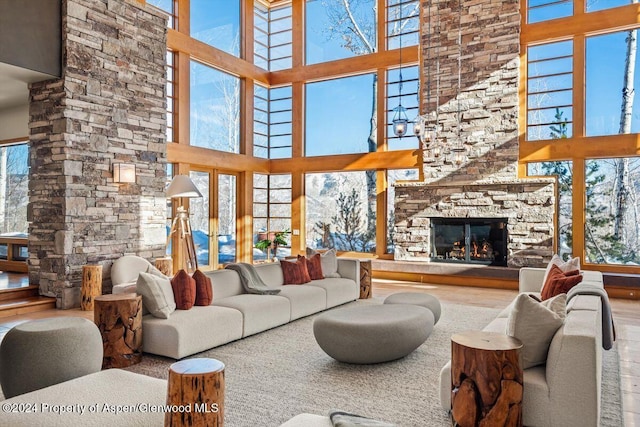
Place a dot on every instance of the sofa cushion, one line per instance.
(339, 291)
(204, 289)
(183, 334)
(328, 260)
(304, 299)
(295, 273)
(259, 312)
(559, 282)
(157, 295)
(534, 325)
(225, 283)
(314, 267)
(271, 274)
(184, 290)
(572, 264)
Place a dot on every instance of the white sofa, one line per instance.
(566, 390)
(234, 314)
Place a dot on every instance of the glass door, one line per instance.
(226, 218)
(199, 212)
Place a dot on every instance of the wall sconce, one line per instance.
(124, 173)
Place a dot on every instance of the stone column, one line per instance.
(108, 107)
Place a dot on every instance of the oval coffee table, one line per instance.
(417, 298)
(372, 333)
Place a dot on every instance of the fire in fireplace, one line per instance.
(469, 240)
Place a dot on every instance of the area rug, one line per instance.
(275, 375)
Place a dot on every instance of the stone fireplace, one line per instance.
(472, 240)
(486, 186)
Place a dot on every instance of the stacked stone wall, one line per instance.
(486, 184)
(109, 107)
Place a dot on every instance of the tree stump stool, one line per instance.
(165, 265)
(91, 285)
(119, 319)
(196, 390)
(486, 380)
(365, 279)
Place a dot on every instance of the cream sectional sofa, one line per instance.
(233, 313)
(566, 390)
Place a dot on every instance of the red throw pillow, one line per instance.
(314, 267)
(184, 290)
(204, 289)
(295, 273)
(559, 282)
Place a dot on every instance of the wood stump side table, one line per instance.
(486, 380)
(119, 319)
(91, 285)
(196, 384)
(165, 265)
(365, 279)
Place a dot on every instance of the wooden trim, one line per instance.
(400, 159)
(610, 268)
(246, 32)
(579, 99)
(14, 141)
(297, 34)
(442, 279)
(345, 67)
(382, 25)
(182, 89)
(382, 192)
(183, 17)
(244, 217)
(297, 120)
(623, 293)
(247, 90)
(204, 157)
(578, 214)
(381, 111)
(298, 214)
(595, 147)
(215, 57)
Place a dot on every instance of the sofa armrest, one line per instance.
(349, 269)
(530, 279)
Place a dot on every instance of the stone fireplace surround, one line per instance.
(487, 184)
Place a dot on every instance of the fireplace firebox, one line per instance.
(469, 240)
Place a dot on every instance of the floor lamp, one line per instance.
(182, 186)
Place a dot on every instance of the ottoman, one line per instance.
(414, 298)
(372, 333)
(40, 353)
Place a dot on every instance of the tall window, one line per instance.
(271, 211)
(171, 95)
(14, 189)
(214, 108)
(339, 118)
(272, 37)
(403, 23)
(341, 211)
(410, 99)
(609, 76)
(272, 128)
(550, 91)
(217, 23)
(544, 10)
(199, 214)
(337, 29)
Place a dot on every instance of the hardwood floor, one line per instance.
(626, 314)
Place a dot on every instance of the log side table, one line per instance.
(486, 380)
(197, 384)
(365, 279)
(119, 319)
(165, 265)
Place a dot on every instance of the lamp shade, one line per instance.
(182, 186)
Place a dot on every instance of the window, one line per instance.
(403, 23)
(550, 91)
(272, 37)
(612, 230)
(271, 211)
(334, 31)
(14, 189)
(606, 69)
(217, 23)
(199, 215)
(170, 169)
(544, 10)
(410, 100)
(393, 176)
(214, 109)
(593, 6)
(563, 170)
(341, 210)
(171, 95)
(166, 6)
(339, 113)
(272, 122)
(226, 218)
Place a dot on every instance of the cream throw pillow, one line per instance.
(157, 294)
(535, 325)
(328, 261)
(565, 266)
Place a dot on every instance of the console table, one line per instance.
(486, 379)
